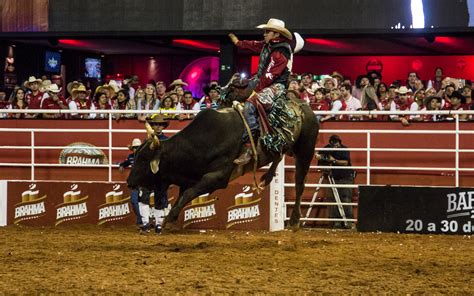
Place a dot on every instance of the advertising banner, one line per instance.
(416, 210)
(102, 203)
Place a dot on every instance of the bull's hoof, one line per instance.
(170, 227)
(293, 225)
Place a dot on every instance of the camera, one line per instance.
(324, 159)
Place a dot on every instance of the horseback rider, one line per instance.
(271, 80)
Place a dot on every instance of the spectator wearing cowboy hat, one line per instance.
(128, 84)
(338, 76)
(134, 193)
(212, 97)
(70, 87)
(52, 100)
(81, 102)
(402, 104)
(271, 81)
(176, 83)
(101, 103)
(34, 96)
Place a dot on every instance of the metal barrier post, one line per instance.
(368, 157)
(32, 155)
(457, 152)
(110, 147)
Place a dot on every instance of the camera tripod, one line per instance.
(330, 178)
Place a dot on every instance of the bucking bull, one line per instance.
(199, 159)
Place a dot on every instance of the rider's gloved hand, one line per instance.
(233, 38)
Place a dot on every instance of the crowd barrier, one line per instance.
(383, 153)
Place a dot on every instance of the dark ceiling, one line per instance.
(441, 45)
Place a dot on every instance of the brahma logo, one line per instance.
(31, 206)
(74, 206)
(52, 62)
(80, 153)
(116, 206)
(202, 208)
(460, 204)
(245, 210)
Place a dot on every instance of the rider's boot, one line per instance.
(246, 156)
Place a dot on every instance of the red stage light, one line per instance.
(72, 42)
(197, 44)
(326, 42)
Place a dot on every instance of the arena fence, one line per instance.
(278, 186)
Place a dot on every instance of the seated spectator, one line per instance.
(432, 103)
(123, 102)
(160, 90)
(319, 104)
(33, 96)
(458, 103)
(81, 102)
(417, 105)
(402, 104)
(19, 102)
(167, 104)
(188, 103)
(212, 98)
(101, 102)
(467, 93)
(52, 100)
(4, 103)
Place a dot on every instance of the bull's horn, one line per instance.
(155, 142)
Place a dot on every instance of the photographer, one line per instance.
(340, 176)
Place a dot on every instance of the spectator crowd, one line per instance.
(333, 92)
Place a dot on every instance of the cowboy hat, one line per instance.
(72, 85)
(44, 85)
(403, 90)
(326, 79)
(135, 143)
(337, 74)
(178, 82)
(53, 88)
(159, 120)
(314, 87)
(30, 80)
(277, 26)
(81, 88)
(298, 42)
(208, 89)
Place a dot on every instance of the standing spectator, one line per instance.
(19, 102)
(81, 102)
(360, 83)
(4, 103)
(329, 83)
(369, 101)
(417, 105)
(432, 103)
(411, 81)
(188, 103)
(467, 93)
(101, 102)
(375, 77)
(338, 104)
(212, 93)
(438, 79)
(167, 104)
(160, 90)
(52, 100)
(177, 83)
(294, 85)
(34, 96)
(402, 104)
(70, 87)
(179, 92)
(352, 104)
(382, 91)
(335, 158)
(448, 92)
(458, 103)
(338, 76)
(148, 101)
(129, 83)
(134, 193)
(386, 102)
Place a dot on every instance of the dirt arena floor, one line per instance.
(91, 259)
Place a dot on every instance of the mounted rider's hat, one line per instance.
(158, 119)
(277, 26)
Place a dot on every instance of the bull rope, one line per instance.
(239, 108)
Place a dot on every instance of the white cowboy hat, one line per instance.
(178, 82)
(277, 26)
(53, 88)
(31, 80)
(403, 90)
(44, 85)
(135, 143)
(314, 87)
